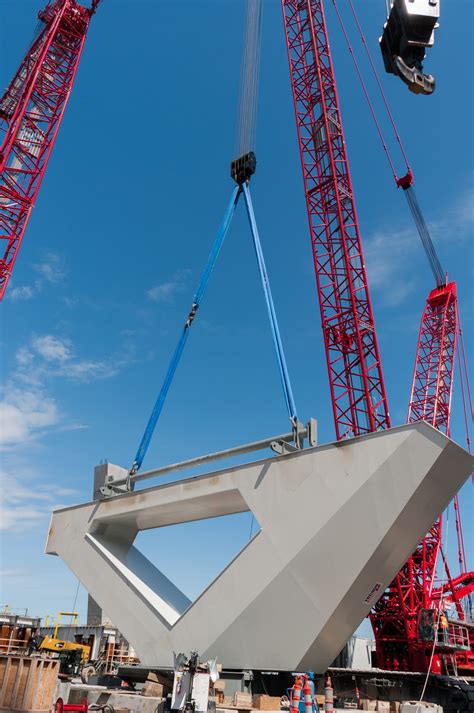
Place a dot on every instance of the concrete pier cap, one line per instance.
(337, 523)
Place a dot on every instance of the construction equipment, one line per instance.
(408, 31)
(72, 655)
(191, 682)
(355, 374)
(396, 618)
(419, 588)
(31, 111)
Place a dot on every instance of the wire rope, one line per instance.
(406, 181)
(379, 84)
(462, 365)
(425, 236)
(69, 628)
(249, 78)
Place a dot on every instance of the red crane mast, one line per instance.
(398, 616)
(31, 110)
(355, 374)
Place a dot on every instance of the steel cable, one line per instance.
(425, 236)
(249, 79)
(413, 204)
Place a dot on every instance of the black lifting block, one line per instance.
(242, 168)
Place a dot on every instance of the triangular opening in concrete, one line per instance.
(193, 554)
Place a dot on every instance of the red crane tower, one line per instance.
(355, 374)
(31, 110)
(419, 593)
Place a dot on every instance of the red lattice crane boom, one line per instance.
(418, 588)
(31, 110)
(355, 373)
(432, 386)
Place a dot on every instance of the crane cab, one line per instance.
(407, 33)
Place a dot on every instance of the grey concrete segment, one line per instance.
(337, 522)
(95, 615)
(117, 699)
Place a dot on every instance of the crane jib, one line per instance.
(355, 373)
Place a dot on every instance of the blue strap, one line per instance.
(211, 261)
(285, 378)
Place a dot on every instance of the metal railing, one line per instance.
(118, 655)
(454, 636)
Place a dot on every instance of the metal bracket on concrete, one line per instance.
(119, 480)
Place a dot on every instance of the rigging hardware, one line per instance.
(407, 33)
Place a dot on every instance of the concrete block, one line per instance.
(98, 695)
(337, 523)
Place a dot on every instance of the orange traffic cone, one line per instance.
(308, 701)
(329, 697)
(295, 695)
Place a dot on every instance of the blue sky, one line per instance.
(134, 191)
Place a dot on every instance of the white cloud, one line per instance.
(51, 348)
(51, 271)
(50, 356)
(90, 370)
(24, 357)
(73, 427)
(385, 255)
(25, 292)
(70, 301)
(27, 408)
(24, 412)
(388, 251)
(165, 291)
(10, 573)
(27, 501)
(20, 518)
(458, 223)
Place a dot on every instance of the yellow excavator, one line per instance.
(72, 656)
